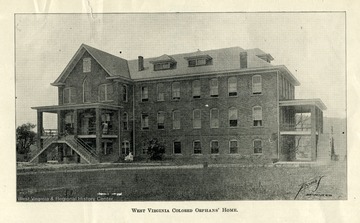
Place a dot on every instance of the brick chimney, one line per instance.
(141, 63)
(243, 60)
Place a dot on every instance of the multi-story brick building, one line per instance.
(218, 103)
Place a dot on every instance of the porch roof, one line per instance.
(55, 108)
(303, 105)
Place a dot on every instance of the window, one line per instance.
(126, 121)
(176, 119)
(257, 116)
(164, 66)
(176, 90)
(233, 117)
(197, 119)
(214, 118)
(86, 65)
(125, 147)
(125, 93)
(160, 92)
(232, 86)
(86, 90)
(161, 120)
(106, 92)
(69, 95)
(199, 62)
(214, 147)
(177, 147)
(144, 121)
(69, 123)
(256, 84)
(196, 89)
(257, 146)
(144, 94)
(214, 88)
(233, 144)
(197, 147)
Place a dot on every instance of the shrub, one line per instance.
(155, 150)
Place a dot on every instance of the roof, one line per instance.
(163, 58)
(304, 103)
(226, 59)
(113, 65)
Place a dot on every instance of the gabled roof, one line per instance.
(113, 65)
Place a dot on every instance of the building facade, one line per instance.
(206, 104)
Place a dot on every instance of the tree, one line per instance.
(25, 137)
(155, 150)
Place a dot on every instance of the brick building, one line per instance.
(219, 103)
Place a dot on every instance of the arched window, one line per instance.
(126, 121)
(214, 118)
(214, 88)
(233, 117)
(175, 87)
(160, 92)
(176, 119)
(256, 84)
(86, 90)
(197, 119)
(161, 120)
(196, 89)
(257, 115)
(232, 86)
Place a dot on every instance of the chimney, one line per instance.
(141, 63)
(243, 60)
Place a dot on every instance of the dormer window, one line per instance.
(86, 65)
(164, 62)
(198, 59)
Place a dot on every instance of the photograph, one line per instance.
(187, 106)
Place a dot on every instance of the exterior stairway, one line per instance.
(79, 146)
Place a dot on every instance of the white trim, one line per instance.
(255, 85)
(173, 119)
(228, 86)
(237, 117)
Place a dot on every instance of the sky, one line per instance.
(310, 45)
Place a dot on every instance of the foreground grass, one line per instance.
(213, 183)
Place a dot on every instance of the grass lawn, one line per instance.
(212, 183)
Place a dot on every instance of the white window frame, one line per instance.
(196, 90)
(235, 93)
(160, 93)
(71, 89)
(195, 141)
(261, 143)
(144, 97)
(197, 122)
(106, 92)
(257, 87)
(237, 146)
(211, 119)
(173, 119)
(214, 89)
(237, 117)
(175, 93)
(158, 113)
(86, 65)
(255, 117)
(125, 145)
(143, 127)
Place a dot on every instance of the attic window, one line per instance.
(164, 66)
(199, 62)
(86, 65)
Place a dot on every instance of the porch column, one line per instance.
(76, 124)
(98, 132)
(39, 128)
(313, 133)
(59, 123)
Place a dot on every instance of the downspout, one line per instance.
(133, 111)
(278, 114)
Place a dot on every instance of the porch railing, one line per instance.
(294, 127)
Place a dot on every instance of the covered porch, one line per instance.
(95, 127)
(300, 129)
